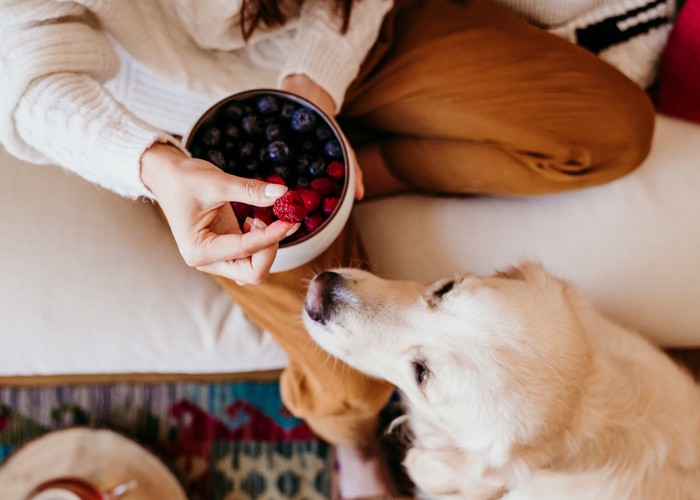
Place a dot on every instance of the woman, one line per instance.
(462, 98)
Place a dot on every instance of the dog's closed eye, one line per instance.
(445, 288)
(439, 292)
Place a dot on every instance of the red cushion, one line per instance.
(679, 74)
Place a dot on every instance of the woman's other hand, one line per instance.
(195, 197)
(305, 87)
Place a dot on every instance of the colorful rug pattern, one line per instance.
(222, 440)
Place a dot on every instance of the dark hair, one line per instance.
(275, 13)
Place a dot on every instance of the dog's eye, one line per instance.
(445, 288)
(421, 372)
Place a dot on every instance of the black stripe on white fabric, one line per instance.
(606, 33)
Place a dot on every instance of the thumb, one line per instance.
(250, 191)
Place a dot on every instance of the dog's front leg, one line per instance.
(430, 473)
(446, 473)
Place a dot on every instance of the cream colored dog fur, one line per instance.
(515, 388)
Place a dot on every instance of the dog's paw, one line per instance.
(430, 473)
(450, 473)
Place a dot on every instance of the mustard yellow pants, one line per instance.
(462, 98)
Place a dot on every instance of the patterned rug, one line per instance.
(222, 440)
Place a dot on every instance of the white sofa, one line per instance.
(92, 283)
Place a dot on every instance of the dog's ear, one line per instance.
(534, 270)
(524, 271)
(511, 273)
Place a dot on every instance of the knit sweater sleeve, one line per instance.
(53, 107)
(326, 55)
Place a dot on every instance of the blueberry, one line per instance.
(282, 170)
(234, 112)
(251, 125)
(303, 163)
(303, 120)
(231, 166)
(251, 168)
(323, 133)
(303, 182)
(333, 149)
(278, 152)
(229, 148)
(246, 151)
(287, 110)
(268, 104)
(211, 136)
(274, 132)
(216, 157)
(307, 146)
(232, 131)
(317, 167)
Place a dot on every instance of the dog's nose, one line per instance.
(319, 303)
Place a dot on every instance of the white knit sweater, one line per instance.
(91, 84)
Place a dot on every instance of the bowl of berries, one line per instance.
(278, 137)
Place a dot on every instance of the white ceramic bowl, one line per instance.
(299, 252)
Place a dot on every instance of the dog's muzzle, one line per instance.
(320, 296)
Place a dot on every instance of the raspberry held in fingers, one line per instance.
(290, 207)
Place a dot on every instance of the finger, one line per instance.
(250, 191)
(261, 262)
(241, 271)
(237, 246)
(250, 270)
(359, 183)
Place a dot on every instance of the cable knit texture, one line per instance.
(61, 63)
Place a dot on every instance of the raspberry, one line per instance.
(297, 235)
(335, 170)
(311, 199)
(290, 207)
(313, 222)
(329, 205)
(323, 185)
(275, 179)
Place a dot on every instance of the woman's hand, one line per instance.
(194, 196)
(305, 87)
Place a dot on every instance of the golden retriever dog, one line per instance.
(515, 388)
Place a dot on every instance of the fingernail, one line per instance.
(292, 230)
(275, 190)
(247, 223)
(259, 223)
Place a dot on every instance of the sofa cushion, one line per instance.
(632, 246)
(93, 283)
